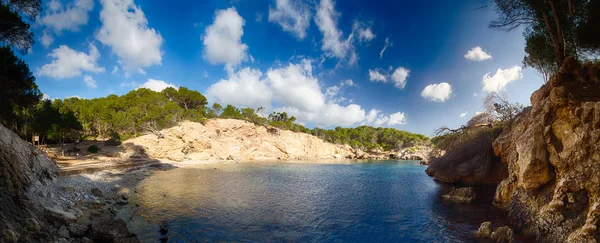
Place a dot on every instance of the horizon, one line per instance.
(328, 63)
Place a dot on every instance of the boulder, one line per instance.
(60, 216)
(9, 236)
(97, 192)
(460, 195)
(484, 231)
(164, 227)
(32, 224)
(63, 232)
(502, 234)
(78, 230)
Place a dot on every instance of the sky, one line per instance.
(410, 65)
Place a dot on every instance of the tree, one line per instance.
(187, 99)
(17, 86)
(539, 54)
(13, 30)
(501, 109)
(566, 24)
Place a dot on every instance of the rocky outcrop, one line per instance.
(552, 152)
(460, 195)
(424, 153)
(222, 139)
(22, 167)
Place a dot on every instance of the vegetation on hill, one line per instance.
(143, 110)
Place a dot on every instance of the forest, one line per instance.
(142, 111)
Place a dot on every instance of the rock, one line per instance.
(484, 231)
(229, 157)
(25, 171)
(460, 195)
(68, 188)
(32, 224)
(502, 234)
(336, 156)
(58, 215)
(9, 236)
(63, 232)
(63, 240)
(359, 154)
(78, 230)
(552, 191)
(97, 192)
(86, 240)
(164, 238)
(164, 227)
(112, 230)
(240, 139)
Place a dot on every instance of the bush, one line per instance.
(93, 149)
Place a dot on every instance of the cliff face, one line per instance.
(22, 167)
(222, 139)
(553, 156)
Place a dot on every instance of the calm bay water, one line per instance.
(383, 201)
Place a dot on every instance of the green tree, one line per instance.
(539, 54)
(14, 31)
(17, 86)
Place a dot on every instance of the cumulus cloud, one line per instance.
(223, 39)
(292, 16)
(45, 97)
(477, 54)
(437, 92)
(141, 71)
(377, 118)
(244, 88)
(385, 46)
(89, 81)
(59, 18)
(115, 70)
(68, 63)
(501, 78)
(376, 76)
(156, 85)
(125, 29)
(399, 76)
(292, 88)
(333, 44)
(463, 114)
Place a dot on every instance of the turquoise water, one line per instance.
(384, 201)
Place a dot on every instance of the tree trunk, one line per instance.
(555, 43)
(560, 38)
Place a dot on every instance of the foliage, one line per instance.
(17, 87)
(568, 26)
(93, 149)
(14, 31)
(370, 138)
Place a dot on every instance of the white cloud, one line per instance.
(69, 63)
(61, 17)
(89, 81)
(125, 29)
(115, 70)
(399, 76)
(437, 92)
(348, 83)
(293, 16)
(45, 97)
(244, 88)
(46, 39)
(377, 118)
(501, 79)
(292, 88)
(333, 45)
(141, 71)
(76, 96)
(259, 17)
(463, 114)
(364, 32)
(387, 44)
(477, 54)
(295, 86)
(156, 85)
(223, 39)
(377, 76)
(475, 94)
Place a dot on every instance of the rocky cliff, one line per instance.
(552, 152)
(22, 167)
(229, 139)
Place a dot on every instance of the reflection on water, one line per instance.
(367, 202)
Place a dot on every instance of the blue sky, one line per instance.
(320, 60)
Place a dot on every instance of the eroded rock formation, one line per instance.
(22, 167)
(552, 152)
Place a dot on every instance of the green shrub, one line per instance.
(93, 149)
